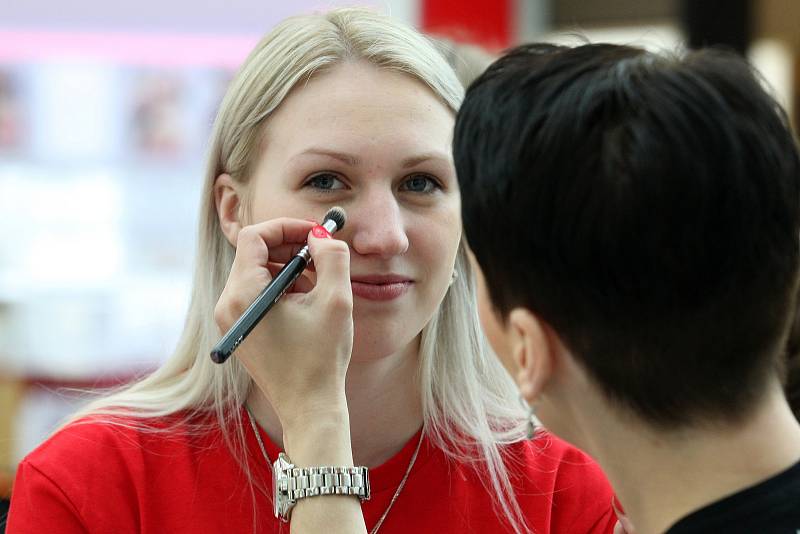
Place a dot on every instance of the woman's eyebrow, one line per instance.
(416, 160)
(349, 159)
(355, 161)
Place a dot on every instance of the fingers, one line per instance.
(283, 253)
(283, 230)
(303, 284)
(257, 245)
(277, 239)
(332, 260)
(263, 248)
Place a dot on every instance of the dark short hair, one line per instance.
(646, 207)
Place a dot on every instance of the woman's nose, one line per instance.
(377, 225)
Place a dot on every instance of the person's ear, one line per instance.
(533, 351)
(228, 202)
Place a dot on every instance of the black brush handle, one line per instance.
(260, 306)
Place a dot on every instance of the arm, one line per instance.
(309, 337)
(327, 440)
(325, 443)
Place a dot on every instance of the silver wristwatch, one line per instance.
(290, 483)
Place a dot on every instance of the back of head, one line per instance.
(653, 207)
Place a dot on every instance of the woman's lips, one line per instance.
(380, 287)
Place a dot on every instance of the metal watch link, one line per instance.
(290, 483)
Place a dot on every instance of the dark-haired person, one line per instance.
(636, 220)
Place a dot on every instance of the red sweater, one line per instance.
(107, 479)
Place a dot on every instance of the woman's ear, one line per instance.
(533, 351)
(228, 201)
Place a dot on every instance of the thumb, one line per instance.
(332, 264)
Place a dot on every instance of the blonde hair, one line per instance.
(470, 403)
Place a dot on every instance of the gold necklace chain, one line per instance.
(396, 493)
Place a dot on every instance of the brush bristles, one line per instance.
(337, 215)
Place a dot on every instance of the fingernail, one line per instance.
(320, 232)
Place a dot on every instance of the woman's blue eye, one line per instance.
(420, 184)
(325, 182)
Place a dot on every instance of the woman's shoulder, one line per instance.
(135, 468)
(558, 487)
(547, 453)
(116, 438)
(547, 448)
(580, 492)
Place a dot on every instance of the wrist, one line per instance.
(319, 435)
(293, 405)
(318, 408)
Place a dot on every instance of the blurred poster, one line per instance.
(11, 112)
(73, 108)
(220, 80)
(158, 116)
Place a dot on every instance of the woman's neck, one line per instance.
(384, 401)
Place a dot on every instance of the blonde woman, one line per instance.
(376, 360)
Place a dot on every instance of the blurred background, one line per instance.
(105, 109)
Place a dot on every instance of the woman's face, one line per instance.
(377, 143)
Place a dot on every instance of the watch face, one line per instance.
(280, 498)
(275, 495)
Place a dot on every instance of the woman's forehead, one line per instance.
(354, 108)
(353, 94)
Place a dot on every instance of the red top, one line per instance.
(100, 478)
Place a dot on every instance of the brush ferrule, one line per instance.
(330, 225)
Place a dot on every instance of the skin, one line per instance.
(376, 143)
(378, 120)
(660, 476)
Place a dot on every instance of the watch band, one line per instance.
(293, 483)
